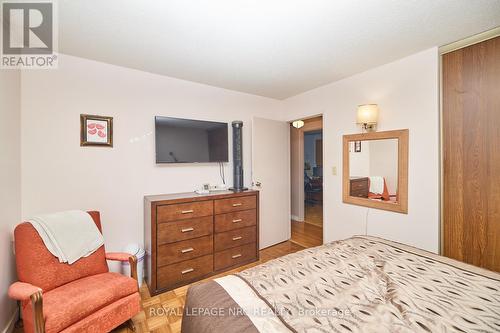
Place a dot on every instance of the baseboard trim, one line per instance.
(296, 218)
(12, 322)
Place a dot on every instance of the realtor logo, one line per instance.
(28, 35)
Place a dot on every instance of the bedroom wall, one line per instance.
(10, 188)
(359, 162)
(407, 94)
(58, 174)
(384, 162)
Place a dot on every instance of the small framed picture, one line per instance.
(357, 146)
(96, 130)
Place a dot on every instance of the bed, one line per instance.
(361, 284)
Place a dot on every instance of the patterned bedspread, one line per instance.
(366, 284)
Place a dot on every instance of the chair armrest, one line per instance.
(21, 291)
(124, 257)
(118, 256)
(27, 292)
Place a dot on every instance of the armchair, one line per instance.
(84, 296)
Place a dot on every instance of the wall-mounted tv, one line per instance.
(190, 141)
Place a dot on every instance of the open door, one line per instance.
(271, 175)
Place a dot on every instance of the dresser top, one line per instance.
(193, 196)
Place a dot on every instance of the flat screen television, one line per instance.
(190, 141)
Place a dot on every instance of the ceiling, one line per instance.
(273, 48)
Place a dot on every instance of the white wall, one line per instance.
(384, 162)
(407, 94)
(10, 185)
(359, 162)
(58, 174)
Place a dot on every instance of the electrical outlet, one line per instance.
(334, 170)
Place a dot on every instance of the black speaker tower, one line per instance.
(238, 157)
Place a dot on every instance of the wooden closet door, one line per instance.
(471, 151)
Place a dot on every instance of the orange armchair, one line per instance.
(84, 296)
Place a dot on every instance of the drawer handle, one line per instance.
(189, 249)
(189, 270)
(236, 256)
(187, 229)
(237, 220)
(189, 211)
(237, 204)
(237, 238)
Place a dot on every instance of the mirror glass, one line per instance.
(373, 170)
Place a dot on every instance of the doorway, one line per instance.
(306, 161)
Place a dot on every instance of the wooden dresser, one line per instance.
(359, 187)
(189, 237)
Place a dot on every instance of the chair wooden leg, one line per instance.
(37, 305)
(131, 325)
(133, 267)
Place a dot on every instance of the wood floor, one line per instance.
(310, 232)
(170, 305)
(313, 214)
(306, 234)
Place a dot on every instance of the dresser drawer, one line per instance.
(166, 213)
(359, 185)
(231, 221)
(233, 238)
(184, 272)
(184, 229)
(185, 250)
(359, 193)
(235, 204)
(235, 256)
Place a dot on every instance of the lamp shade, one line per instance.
(298, 124)
(367, 114)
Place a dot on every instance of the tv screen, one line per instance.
(190, 141)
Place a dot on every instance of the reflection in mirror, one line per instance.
(373, 169)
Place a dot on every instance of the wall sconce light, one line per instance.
(298, 123)
(367, 116)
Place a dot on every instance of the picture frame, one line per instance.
(357, 146)
(96, 131)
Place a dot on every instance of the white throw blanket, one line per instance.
(68, 235)
(377, 185)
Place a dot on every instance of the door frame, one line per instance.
(301, 159)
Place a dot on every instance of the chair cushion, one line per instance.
(72, 302)
(109, 317)
(37, 266)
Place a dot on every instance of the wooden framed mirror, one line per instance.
(375, 170)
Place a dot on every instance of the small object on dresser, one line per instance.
(238, 157)
(205, 189)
